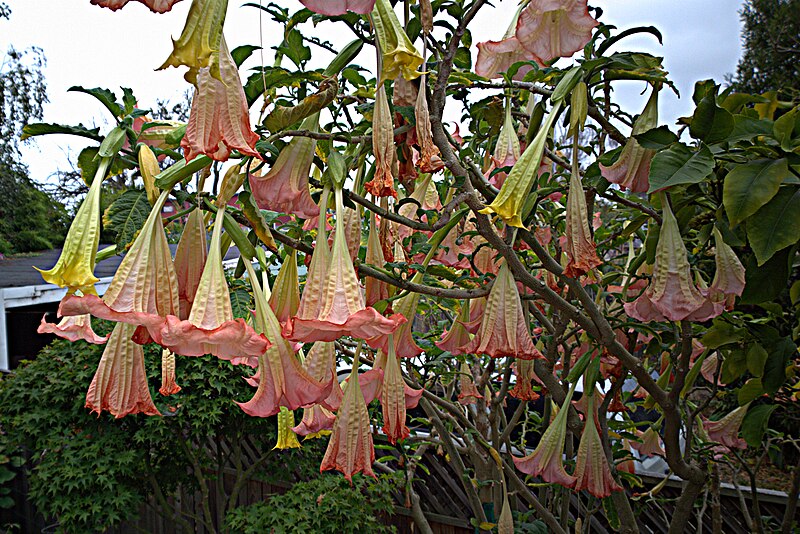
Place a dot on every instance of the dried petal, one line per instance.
(382, 185)
(428, 149)
(523, 370)
(468, 392)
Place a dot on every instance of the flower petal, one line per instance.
(551, 29)
(333, 8)
(72, 328)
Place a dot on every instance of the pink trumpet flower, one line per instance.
(282, 381)
(342, 311)
(650, 445)
(285, 187)
(350, 448)
(374, 290)
(395, 396)
(190, 259)
(504, 327)
(550, 29)
(168, 384)
(219, 121)
(321, 365)
(406, 309)
(592, 471)
(671, 294)
(632, 169)
(454, 339)
(469, 394)
(120, 383)
(728, 282)
(726, 430)
(496, 57)
(506, 151)
(334, 8)
(580, 247)
(72, 328)
(156, 6)
(546, 460)
(523, 370)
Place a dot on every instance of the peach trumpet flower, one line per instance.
(72, 328)
(592, 470)
(496, 57)
(190, 259)
(395, 396)
(468, 393)
(726, 430)
(550, 29)
(580, 249)
(334, 8)
(156, 6)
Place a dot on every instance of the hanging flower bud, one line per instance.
(505, 523)
(512, 196)
(395, 397)
(190, 259)
(579, 108)
(426, 15)
(120, 383)
(429, 153)
(580, 247)
(671, 294)
(729, 277)
(399, 56)
(592, 471)
(524, 373)
(156, 6)
(287, 439)
(374, 290)
(321, 366)
(199, 45)
(75, 267)
(496, 57)
(382, 185)
(168, 384)
(506, 151)
(350, 448)
(72, 328)
(546, 461)
(632, 169)
(504, 327)
(148, 168)
(454, 339)
(468, 393)
(285, 187)
(551, 29)
(334, 8)
(726, 430)
(285, 297)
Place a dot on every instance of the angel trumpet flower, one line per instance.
(342, 311)
(156, 6)
(144, 290)
(546, 461)
(72, 328)
(504, 328)
(219, 121)
(199, 45)
(382, 185)
(190, 259)
(334, 8)
(650, 445)
(285, 187)
(374, 290)
(287, 439)
(506, 151)
(285, 297)
(517, 186)
(282, 381)
(466, 383)
(399, 57)
(321, 365)
(429, 160)
(729, 279)
(632, 169)
(454, 339)
(211, 328)
(580, 247)
(350, 448)
(168, 384)
(550, 29)
(496, 57)
(395, 397)
(523, 370)
(726, 430)
(120, 383)
(75, 267)
(592, 471)
(671, 294)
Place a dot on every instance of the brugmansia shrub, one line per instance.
(554, 239)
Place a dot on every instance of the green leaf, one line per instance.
(128, 101)
(126, 216)
(775, 368)
(763, 283)
(293, 48)
(755, 423)
(679, 164)
(275, 77)
(785, 129)
(112, 144)
(656, 138)
(241, 53)
(463, 58)
(746, 128)
(756, 358)
(88, 163)
(106, 97)
(734, 366)
(710, 122)
(44, 128)
(256, 219)
(721, 333)
(281, 117)
(751, 390)
(751, 185)
(241, 303)
(776, 225)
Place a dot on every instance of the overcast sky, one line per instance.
(91, 46)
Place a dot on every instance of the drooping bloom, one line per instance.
(374, 290)
(120, 383)
(523, 370)
(632, 169)
(506, 151)
(729, 277)
(592, 471)
(496, 57)
(505, 523)
(382, 185)
(219, 121)
(72, 328)
(168, 384)
(282, 381)
(468, 393)
(287, 439)
(285, 187)
(580, 247)
(550, 29)
(546, 461)
(350, 448)
(211, 328)
(285, 297)
(396, 396)
(321, 366)
(726, 430)
(651, 443)
(144, 290)
(75, 267)
(200, 42)
(156, 6)
(509, 201)
(400, 58)
(342, 311)
(404, 344)
(454, 339)
(190, 259)
(333, 8)
(429, 160)
(671, 294)
(504, 327)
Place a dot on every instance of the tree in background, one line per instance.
(770, 47)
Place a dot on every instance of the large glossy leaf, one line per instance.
(751, 185)
(241, 303)
(43, 128)
(755, 423)
(764, 283)
(126, 216)
(106, 97)
(786, 129)
(776, 225)
(679, 164)
(780, 353)
(274, 77)
(256, 219)
(711, 123)
(656, 138)
(88, 162)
